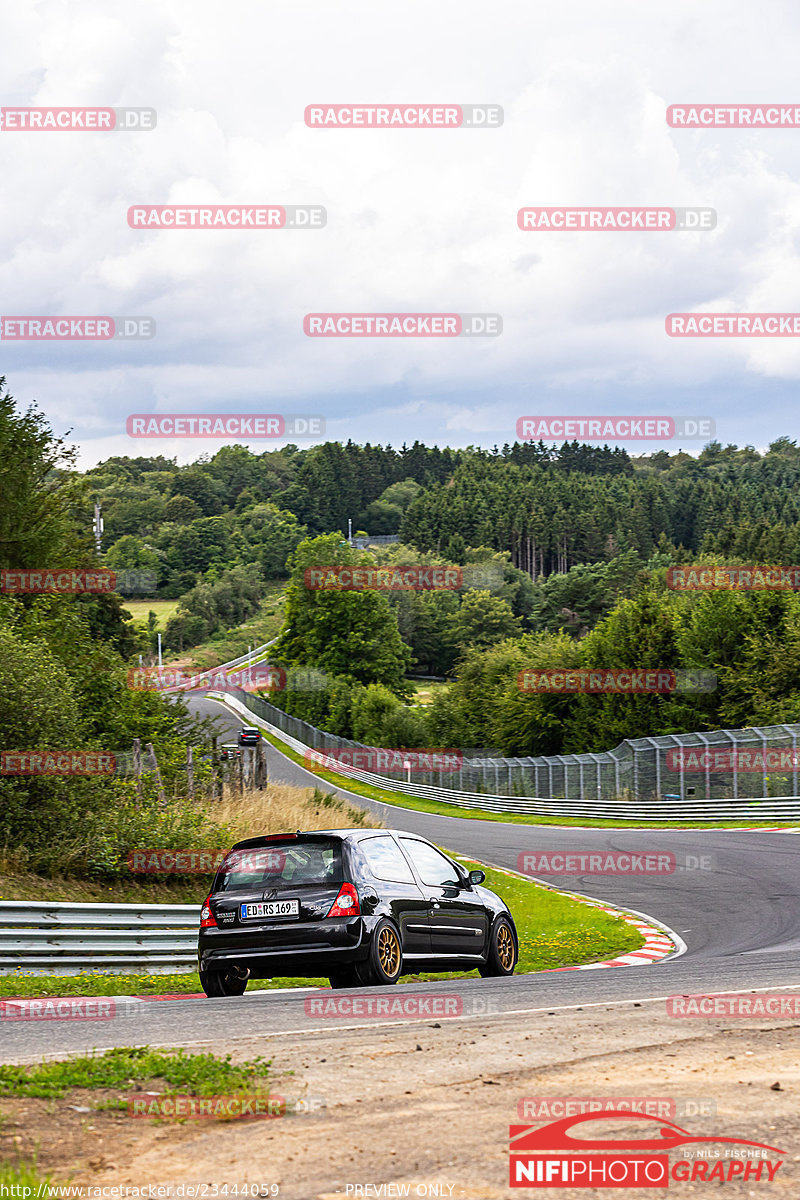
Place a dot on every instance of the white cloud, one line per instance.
(422, 221)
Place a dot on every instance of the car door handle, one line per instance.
(436, 904)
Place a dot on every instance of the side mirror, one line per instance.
(476, 877)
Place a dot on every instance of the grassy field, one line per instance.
(139, 610)
(426, 689)
(222, 646)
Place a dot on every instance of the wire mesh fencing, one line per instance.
(726, 764)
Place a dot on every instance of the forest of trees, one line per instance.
(564, 552)
(64, 680)
(550, 508)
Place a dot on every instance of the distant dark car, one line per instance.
(360, 906)
(249, 736)
(229, 751)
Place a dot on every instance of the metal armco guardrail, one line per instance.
(39, 938)
(707, 811)
(252, 657)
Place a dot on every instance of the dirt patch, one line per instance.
(430, 1104)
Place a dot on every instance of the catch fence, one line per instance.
(755, 764)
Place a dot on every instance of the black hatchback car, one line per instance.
(249, 736)
(360, 906)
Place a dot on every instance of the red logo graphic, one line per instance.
(552, 1156)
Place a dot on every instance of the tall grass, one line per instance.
(206, 824)
(280, 808)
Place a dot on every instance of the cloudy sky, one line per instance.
(418, 220)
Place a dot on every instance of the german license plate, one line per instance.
(270, 908)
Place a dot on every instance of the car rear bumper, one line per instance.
(287, 949)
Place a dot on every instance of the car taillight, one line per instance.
(207, 920)
(346, 903)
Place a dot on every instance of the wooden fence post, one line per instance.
(261, 765)
(154, 764)
(137, 768)
(216, 772)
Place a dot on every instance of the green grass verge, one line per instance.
(417, 804)
(124, 1066)
(554, 931)
(96, 983)
(22, 1179)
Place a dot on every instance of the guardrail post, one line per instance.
(636, 771)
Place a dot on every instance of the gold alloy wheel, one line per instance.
(505, 946)
(389, 951)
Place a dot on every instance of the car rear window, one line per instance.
(282, 864)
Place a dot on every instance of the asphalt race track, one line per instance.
(735, 904)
